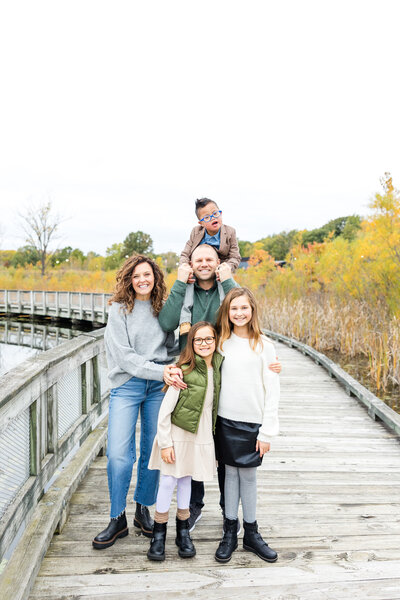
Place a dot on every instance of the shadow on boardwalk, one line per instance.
(328, 502)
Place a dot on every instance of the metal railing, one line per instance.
(48, 406)
(66, 305)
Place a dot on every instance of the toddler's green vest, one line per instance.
(189, 407)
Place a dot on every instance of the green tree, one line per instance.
(137, 242)
(245, 248)
(114, 257)
(26, 255)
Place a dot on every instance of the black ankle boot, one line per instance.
(183, 540)
(229, 541)
(117, 528)
(157, 545)
(143, 521)
(253, 542)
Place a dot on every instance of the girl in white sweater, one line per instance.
(247, 417)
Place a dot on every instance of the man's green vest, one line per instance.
(189, 407)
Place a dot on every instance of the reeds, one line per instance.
(350, 328)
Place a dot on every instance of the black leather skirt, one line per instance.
(235, 443)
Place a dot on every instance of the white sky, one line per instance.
(286, 113)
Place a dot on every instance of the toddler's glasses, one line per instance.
(213, 215)
(199, 341)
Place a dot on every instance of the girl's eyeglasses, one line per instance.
(213, 215)
(199, 341)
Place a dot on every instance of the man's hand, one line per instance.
(262, 447)
(184, 272)
(275, 367)
(168, 455)
(223, 272)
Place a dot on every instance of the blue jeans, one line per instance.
(125, 402)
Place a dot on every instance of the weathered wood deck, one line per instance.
(329, 503)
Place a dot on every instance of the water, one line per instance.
(22, 337)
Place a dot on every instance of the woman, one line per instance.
(138, 355)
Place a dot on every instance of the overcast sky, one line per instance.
(286, 113)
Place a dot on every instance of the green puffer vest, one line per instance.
(189, 407)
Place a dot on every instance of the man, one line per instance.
(212, 282)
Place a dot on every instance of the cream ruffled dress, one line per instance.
(194, 452)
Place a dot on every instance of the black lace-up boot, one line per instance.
(229, 541)
(143, 521)
(183, 540)
(253, 542)
(117, 528)
(157, 545)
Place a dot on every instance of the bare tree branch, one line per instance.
(40, 226)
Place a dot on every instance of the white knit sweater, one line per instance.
(249, 389)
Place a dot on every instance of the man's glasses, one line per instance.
(199, 341)
(213, 215)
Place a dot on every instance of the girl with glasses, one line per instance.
(184, 448)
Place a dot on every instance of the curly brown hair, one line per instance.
(124, 292)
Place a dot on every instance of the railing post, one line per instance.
(92, 306)
(69, 305)
(32, 303)
(104, 308)
(80, 306)
(57, 305)
(44, 302)
(19, 301)
(52, 420)
(96, 380)
(6, 300)
(34, 438)
(84, 386)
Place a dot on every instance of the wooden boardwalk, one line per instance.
(329, 503)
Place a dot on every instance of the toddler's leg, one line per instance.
(248, 492)
(183, 540)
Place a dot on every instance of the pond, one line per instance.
(22, 337)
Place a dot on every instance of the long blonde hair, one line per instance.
(225, 326)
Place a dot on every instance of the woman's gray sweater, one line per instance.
(136, 346)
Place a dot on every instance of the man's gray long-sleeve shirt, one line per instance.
(136, 346)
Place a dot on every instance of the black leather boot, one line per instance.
(143, 521)
(183, 540)
(229, 541)
(117, 528)
(157, 545)
(253, 542)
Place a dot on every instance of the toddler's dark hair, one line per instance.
(201, 203)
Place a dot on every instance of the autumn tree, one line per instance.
(40, 225)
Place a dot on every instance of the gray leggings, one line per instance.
(241, 483)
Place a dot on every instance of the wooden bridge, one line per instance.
(328, 496)
(79, 306)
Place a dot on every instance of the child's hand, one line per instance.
(184, 272)
(262, 447)
(168, 455)
(223, 272)
(275, 367)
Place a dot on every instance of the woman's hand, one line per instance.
(173, 376)
(262, 447)
(168, 455)
(275, 367)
